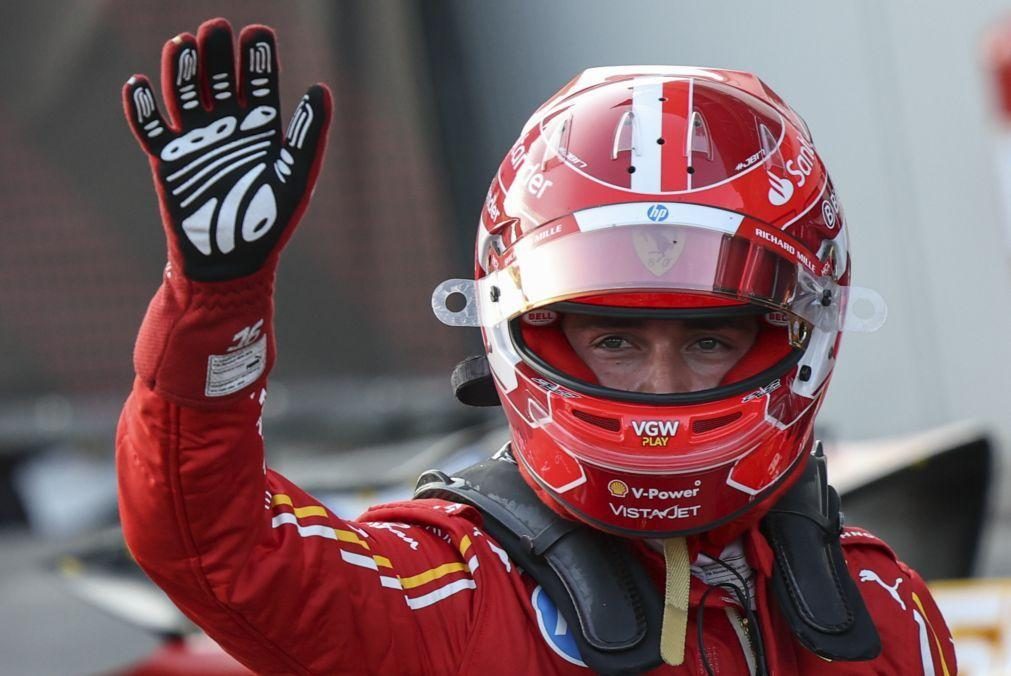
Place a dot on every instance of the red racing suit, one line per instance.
(413, 587)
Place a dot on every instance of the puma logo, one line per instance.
(893, 590)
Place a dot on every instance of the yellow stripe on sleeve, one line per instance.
(937, 641)
(464, 544)
(300, 512)
(314, 510)
(382, 561)
(280, 499)
(349, 536)
(433, 574)
(317, 510)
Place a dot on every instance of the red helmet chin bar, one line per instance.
(710, 538)
(653, 465)
(661, 192)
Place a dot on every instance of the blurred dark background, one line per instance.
(83, 250)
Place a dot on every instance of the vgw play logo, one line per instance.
(655, 432)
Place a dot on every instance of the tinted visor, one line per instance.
(652, 257)
(762, 266)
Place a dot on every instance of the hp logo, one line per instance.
(657, 213)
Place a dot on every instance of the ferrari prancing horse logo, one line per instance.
(657, 252)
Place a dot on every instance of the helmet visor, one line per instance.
(751, 263)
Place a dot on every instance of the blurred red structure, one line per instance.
(195, 655)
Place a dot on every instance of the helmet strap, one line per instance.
(674, 629)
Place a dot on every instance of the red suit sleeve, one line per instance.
(267, 571)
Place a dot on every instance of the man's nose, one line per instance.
(667, 374)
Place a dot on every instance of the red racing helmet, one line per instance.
(661, 193)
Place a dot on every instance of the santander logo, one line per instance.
(780, 189)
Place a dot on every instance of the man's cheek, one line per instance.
(707, 374)
(619, 375)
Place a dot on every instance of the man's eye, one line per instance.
(709, 344)
(612, 343)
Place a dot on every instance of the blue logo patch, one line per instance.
(657, 213)
(554, 628)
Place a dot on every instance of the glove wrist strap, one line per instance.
(205, 343)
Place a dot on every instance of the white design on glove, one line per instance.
(216, 163)
(186, 73)
(261, 212)
(300, 122)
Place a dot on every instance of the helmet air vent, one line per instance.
(703, 425)
(609, 424)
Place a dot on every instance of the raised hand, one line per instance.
(232, 183)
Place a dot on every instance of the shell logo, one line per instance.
(618, 488)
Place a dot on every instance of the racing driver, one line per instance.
(662, 280)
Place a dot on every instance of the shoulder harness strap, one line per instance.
(593, 578)
(810, 579)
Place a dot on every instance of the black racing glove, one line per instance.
(231, 182)
(232, 186)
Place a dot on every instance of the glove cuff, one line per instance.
(204, 344)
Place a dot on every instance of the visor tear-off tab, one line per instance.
(675, 608)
